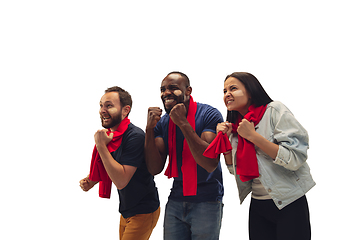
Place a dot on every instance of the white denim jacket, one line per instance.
(288, 177)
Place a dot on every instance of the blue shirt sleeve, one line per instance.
(159, 130)
(212, 117)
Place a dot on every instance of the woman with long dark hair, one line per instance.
(268, 158)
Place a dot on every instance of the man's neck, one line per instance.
(113, 129)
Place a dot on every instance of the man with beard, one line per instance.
(118, 157)
(194, 207)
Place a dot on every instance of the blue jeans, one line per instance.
(195, 221)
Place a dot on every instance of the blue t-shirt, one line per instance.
(140, 196)
(209, 185)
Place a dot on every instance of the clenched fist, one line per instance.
(246, 129)
(101, 137)
(86, 184)
(154, 115)
(224, 127)
(178, 114)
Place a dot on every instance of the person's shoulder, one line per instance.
(204, 105)
(207, 108)
(134, 131)
(209, 113)
(164, 117)
(164, 121)
(278, 106)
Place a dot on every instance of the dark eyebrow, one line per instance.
(231, 86)
(234, 85)
(106, 102)
(170, 86)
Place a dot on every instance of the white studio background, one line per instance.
(58, 57)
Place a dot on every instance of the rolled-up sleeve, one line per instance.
(292, 138)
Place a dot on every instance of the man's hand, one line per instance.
(101, 138)
(86, 184)
(178, 114)
(154, 115)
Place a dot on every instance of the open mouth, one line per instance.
(229, 101)
(169, 103)
(105, 119)
(169, 100)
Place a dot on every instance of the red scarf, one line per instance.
(97, 169)
(220, 144)
(189, 166)
(246, 160)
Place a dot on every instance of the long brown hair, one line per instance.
(258, 95)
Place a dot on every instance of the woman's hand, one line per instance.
(246, 129)
(224, 127)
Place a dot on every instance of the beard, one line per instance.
(178, 99)
(167, 110)
(115, 120)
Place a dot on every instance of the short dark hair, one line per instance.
(258, 95)
(124, 96)
(187, 81)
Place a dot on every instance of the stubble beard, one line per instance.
(115, 120)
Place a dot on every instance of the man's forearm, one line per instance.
(117, 172)
(197, 147)
(154, 161)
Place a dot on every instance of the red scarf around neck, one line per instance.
(246, 160)
(97, 169)
(189, 165)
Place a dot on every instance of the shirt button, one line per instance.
(279, 202)
(269, 190)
